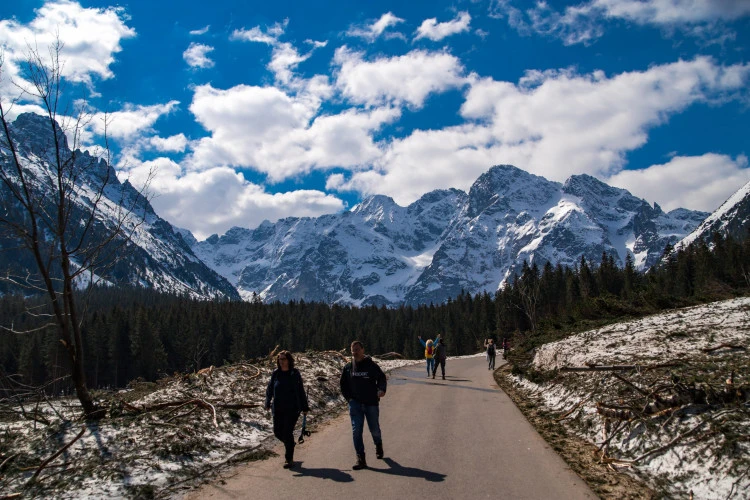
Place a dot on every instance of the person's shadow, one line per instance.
(399, 470)
(323, 473)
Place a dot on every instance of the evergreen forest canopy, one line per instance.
(138, 333)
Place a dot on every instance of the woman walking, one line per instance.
(429, 353)
(286, 398)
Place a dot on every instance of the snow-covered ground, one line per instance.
(682, 428)
(157, 452)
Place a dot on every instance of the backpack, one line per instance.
(491, 349)
(429, 351)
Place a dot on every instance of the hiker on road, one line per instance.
(441, 354)
(489, 344)
(286, 398)
(363, 383)
(429, 353)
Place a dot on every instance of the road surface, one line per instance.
(444, 439)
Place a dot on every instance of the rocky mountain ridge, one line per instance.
(148, 252)
(380, 253)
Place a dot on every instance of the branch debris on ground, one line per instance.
(158, 438)
(664, 399)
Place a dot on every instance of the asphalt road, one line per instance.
(456, 438)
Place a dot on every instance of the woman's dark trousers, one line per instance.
(283, 428)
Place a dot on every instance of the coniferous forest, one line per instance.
(138, 333)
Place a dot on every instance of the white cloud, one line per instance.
(695, 182)
(284, 57)
(174, 144)
(201, 31)
(279, 134)
(373, 31)
(672, 11)
(217, 199)
(406, 79)
(435, 31)
(90, 38)
(196, 55)
(130, 123)
(316, 44)
(554, 124)
(584, 22)
(270, 36)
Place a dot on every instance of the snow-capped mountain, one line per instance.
(155, 256)
(384, 254)
(731, 218)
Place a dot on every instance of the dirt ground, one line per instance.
(579, 454)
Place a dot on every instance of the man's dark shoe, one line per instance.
(433, 375)
(443, 377)
(288, 464)
(361, 463)
(379, 450)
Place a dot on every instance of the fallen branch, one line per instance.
(569, 412)
(611, 368)
(631, 384)
(669, 444)
(389, 355)
(724, 346)
(7, 461)
(56, 454)
(614, 413)
(238, 406)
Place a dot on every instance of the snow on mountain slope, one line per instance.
(383, 254)
(732, 217)
(147, 252)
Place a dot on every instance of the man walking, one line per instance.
(363, 383)
(441, 354)
(489, 344)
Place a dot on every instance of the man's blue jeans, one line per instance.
(358, 413)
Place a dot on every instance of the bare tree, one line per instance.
(53, 201)
(529, 292)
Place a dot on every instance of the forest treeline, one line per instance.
(138, 333)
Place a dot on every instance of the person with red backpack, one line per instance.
(429, 354)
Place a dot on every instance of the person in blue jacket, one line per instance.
(429, 353)
(286, 397)
(363, 383)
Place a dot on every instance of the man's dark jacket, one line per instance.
(362, 380)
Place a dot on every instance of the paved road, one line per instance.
(455, 438)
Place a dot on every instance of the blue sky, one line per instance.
(246, 111)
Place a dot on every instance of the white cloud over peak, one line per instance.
(554, 124)
(373, 31)
(435, 31)
(397, 80)
(281, 135)
(90, 38)
(196, 55)
(132, 122)
(696, 182)
(214, 200)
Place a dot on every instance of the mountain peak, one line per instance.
(33, 131)
(505, 184)
(584, 185)
(376, 206)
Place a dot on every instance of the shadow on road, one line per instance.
(333, 474)
(399, 470)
